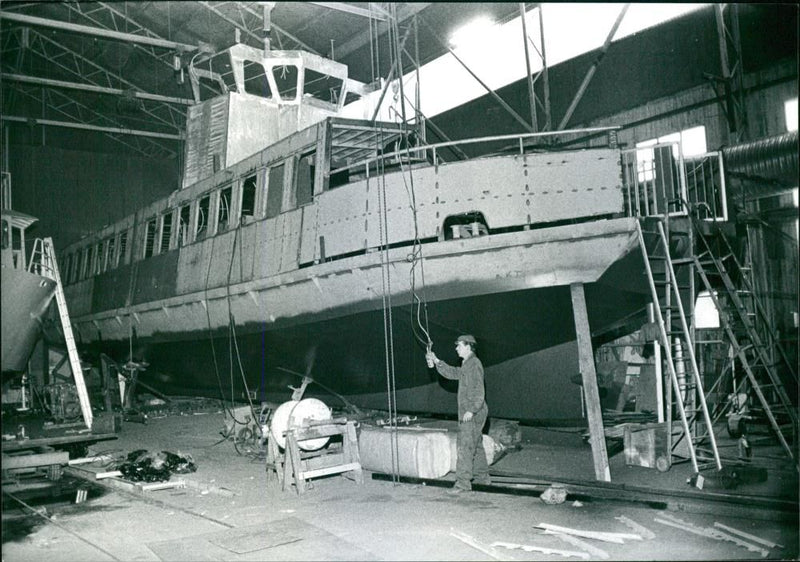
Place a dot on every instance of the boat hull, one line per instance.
(25, 299)
(511, 291)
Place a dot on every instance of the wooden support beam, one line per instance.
(597, 437)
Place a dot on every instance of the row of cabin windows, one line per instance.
(97, 258)
(192, 221)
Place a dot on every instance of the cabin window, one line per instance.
(123, 247)
(100, 253)
(184, 217)
(89, 261)
(249, 199)
(67, 267)
(166, 232)
(286, 81)
(6, 235)
(104, 260)
(275, 191)
(203, 208)
(112, 253)
(304, 179)
(255, 79)
(78, 266)
(224, 209)
(150, 237)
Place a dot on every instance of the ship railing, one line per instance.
(40, 262)
(657, 180)
(432, 153)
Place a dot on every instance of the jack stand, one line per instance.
(300, 466)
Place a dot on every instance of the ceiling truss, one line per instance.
(55, 101)
(86, 70)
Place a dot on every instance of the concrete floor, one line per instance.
(229, 511)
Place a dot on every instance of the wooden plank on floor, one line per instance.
(14, 462)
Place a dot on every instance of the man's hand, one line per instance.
(431, 358)
(467, 417)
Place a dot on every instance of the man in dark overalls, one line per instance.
(472, 413)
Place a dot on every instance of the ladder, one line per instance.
(49, 265)
(752, 338)
(678, 344)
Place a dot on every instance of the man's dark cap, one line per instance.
(466, 338)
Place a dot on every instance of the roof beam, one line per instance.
(93, 88)
(404, 12)
(88, 127)
(277, 28)
(77, 65)
(350, 9)
(85, 117)
(88, 30)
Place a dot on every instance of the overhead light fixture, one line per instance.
(474, 32)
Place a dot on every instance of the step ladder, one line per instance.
(678, 346)
(44, 247)
(758, 350)
(293, 465)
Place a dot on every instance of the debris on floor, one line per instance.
(641, 530)
(477, 545)
(554, 495)
(541, 549)
(143, 466)
(710, 532)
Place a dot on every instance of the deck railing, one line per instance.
(657, 180)
(431, 152)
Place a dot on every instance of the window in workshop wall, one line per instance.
(692, 142)
(790, 111)
(184, 218)
(275, 190)
(304, 179)
(123, 248)
(255, 79)
(248, 207)
(203, 217)
(166, 232)
(150, 231)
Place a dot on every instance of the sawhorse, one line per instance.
(300, 466)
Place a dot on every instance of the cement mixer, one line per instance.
(293, 414)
